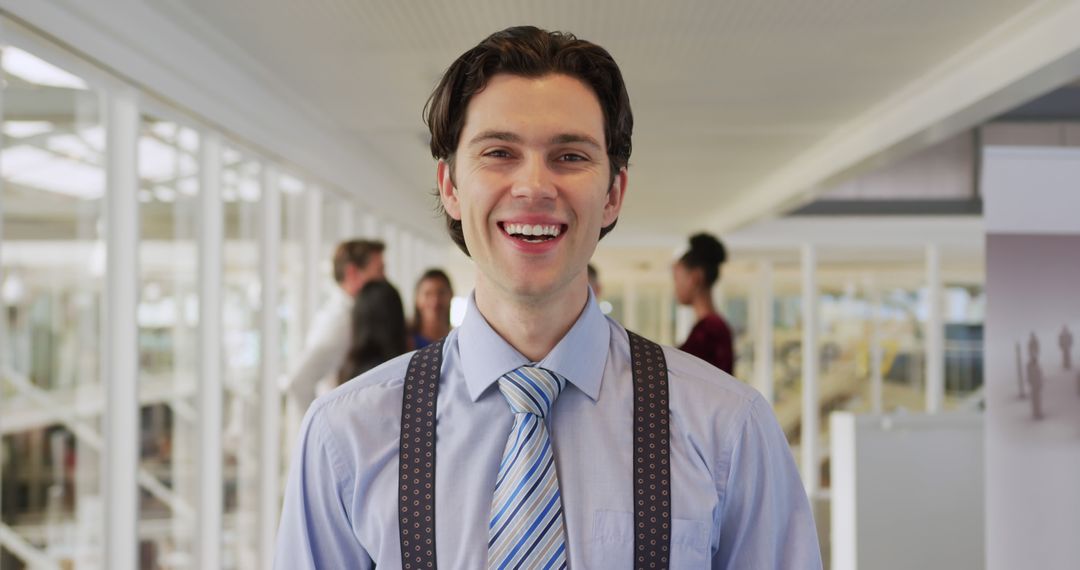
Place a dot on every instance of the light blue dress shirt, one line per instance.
(737, 501)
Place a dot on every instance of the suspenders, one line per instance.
(652, 470)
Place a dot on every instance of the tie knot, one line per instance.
(531, 390)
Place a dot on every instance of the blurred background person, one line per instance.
(356, 263)
(695, 273)
(378, 330)
(431, 315)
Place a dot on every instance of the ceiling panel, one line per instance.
(724, 93)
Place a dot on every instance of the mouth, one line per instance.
(532, 233)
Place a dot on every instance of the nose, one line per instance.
(534, 179)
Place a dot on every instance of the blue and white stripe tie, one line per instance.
(526, 529)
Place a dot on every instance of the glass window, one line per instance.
(52, 265)
(241, 191)
(168, 318)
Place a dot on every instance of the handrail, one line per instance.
(89, 436)
(25, 551)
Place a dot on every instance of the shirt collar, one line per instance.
(579, 356)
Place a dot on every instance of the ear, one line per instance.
(615, 194)
(447, 191)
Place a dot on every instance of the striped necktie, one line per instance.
(526, 529)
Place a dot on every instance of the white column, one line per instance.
(876, 353)
(935, 332)
(405, 268)
(121, 366)
(810, 409)
(630, 306)
(392, 255)
(346, 219)
(316, 260)
(371, 226)
(269, 396)
(211, 245)
(763, 352)
(667, 324)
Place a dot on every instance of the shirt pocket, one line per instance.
(612, 542)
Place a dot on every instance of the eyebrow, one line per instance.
(565, 138)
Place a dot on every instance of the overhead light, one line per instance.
(158, 161)
(188, 186)
(88, 144)
(164, 194)
(14, 290)
(43, 170)
(249, 190)
(24, 129)
(35, 70)
(291, 185)
(183, 137)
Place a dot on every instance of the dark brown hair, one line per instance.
(378, 330)
(528, 51)
(354, 252)
(707, 254)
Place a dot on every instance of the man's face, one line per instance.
(375, 268)
(531, 183)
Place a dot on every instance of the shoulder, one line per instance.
(697, 380)
(715, 323)
(693, 378)
(374, 396)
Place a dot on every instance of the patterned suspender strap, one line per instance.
(652, 464)
(652, 472)
(416, 459)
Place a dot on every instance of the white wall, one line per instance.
(907, 491)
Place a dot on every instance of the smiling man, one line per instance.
(540, 434)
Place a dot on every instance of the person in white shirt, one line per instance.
(356, 262)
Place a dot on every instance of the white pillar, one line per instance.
(763, 352)
(935, 332)
(630, 302)
(876, 353)
(408, 268)
(667, 324)
(392, 255)
(810, 407)
(371, 226)
(346, 219)
(211, 246)
(269, 396)
(315, 258)
(120, 364)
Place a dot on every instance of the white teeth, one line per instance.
(533, 230)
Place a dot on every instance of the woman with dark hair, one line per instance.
(378, 330)
(431, 315)
(695, 274)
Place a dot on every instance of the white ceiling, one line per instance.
(725, 94)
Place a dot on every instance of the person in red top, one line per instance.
(695, 274)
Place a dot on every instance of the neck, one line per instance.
(703, 305)
(533, 326)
